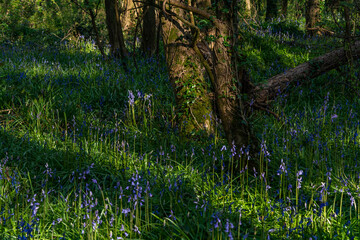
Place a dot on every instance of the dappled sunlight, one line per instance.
(90, 149)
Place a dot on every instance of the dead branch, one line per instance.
(265, 93)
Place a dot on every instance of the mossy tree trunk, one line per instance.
(312, 16)
(187, 76)
(230, 79)
(194, 54)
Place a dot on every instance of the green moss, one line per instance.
(195, 104)
(174, 34)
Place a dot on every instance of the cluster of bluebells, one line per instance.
(140, 96)
(135, 188)
(27, 229)
(282, 168)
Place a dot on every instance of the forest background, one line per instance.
(179, 120)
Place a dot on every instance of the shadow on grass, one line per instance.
(172, 210)
(64, 170)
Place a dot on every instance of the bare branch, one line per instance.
(178, 4)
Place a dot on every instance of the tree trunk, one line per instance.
(268, 91)
(189, 54)
(187, 76)
(97, 34)
(230, 80)
(312, 16)
(126, 16)
(148, 44)
(248, 8)
(113, 23)
(347, 24)
(271, 9)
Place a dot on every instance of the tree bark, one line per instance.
(312, 16)
(268, 91)
(248, 8)
(347, 24)
(230, 80)
(186, 45)
(113, 23)
(128, 13)
(148, 44)
(187, 76)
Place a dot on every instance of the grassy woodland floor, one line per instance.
(90, 152)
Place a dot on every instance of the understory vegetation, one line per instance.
(88, 151)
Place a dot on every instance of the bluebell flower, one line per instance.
(282, 168)
(299, 178)
(131, 98)
(125, 211)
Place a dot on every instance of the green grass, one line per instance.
(91, 152)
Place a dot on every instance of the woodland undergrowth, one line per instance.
(88, 151)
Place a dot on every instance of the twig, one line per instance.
(6, 110)
(244, 19)
(195, 118)
(164, 8)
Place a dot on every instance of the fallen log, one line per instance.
(264, 93)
